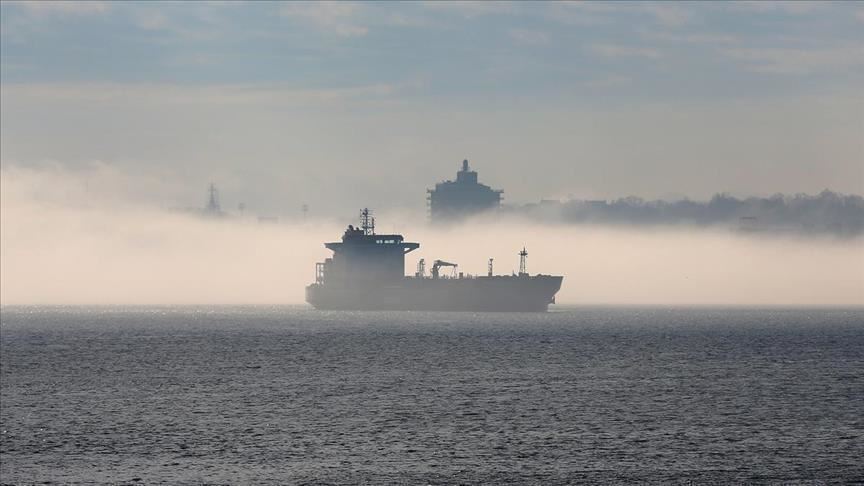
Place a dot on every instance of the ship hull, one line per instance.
(480, 294)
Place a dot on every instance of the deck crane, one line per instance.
(438, 264)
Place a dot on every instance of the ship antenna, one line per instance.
(523, 259)
(367, 222)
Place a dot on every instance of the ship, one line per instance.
(367, 272)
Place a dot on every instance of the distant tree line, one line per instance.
(825, 213)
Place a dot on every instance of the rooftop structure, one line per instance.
(454, 200)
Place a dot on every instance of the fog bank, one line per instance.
(827, 213)
(76, 250)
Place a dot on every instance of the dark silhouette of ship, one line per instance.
(367, 272)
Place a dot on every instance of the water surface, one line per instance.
(292, 395)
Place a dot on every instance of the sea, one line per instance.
(290, 395)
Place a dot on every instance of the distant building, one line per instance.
(455, 200)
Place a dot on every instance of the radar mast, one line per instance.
(523, 260)
(367, 222)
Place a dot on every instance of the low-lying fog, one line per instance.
(72, 251)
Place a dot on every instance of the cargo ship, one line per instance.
(367, 272)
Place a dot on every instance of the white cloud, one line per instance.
(336, 17)
(45, 7)
(203, 25)
(668, 14)
(598, 7)
(580, 13)
(797, 7)
(614, 50)
(170, 94)
(665, 13)
(613, 81)
(528, 37)
(797, 61)
(470, 8)
(151, 20)
(402, 20)
(692, 38)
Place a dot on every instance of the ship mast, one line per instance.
(367, 222)
(523, 259)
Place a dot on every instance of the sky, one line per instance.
(113, 112)
(343, 105)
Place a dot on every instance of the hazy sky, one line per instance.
(341, 105)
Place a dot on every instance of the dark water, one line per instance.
(289, 395)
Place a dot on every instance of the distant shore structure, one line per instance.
(213, 208)
(452, 201)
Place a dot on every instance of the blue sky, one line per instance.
(596, 99)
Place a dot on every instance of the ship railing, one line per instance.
(465, 276)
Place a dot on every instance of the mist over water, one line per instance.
(69, 242)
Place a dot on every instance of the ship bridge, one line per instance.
(363, 255)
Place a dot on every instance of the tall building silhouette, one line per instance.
(454, 200)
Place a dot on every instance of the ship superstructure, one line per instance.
(364, 256)
(367, 272)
